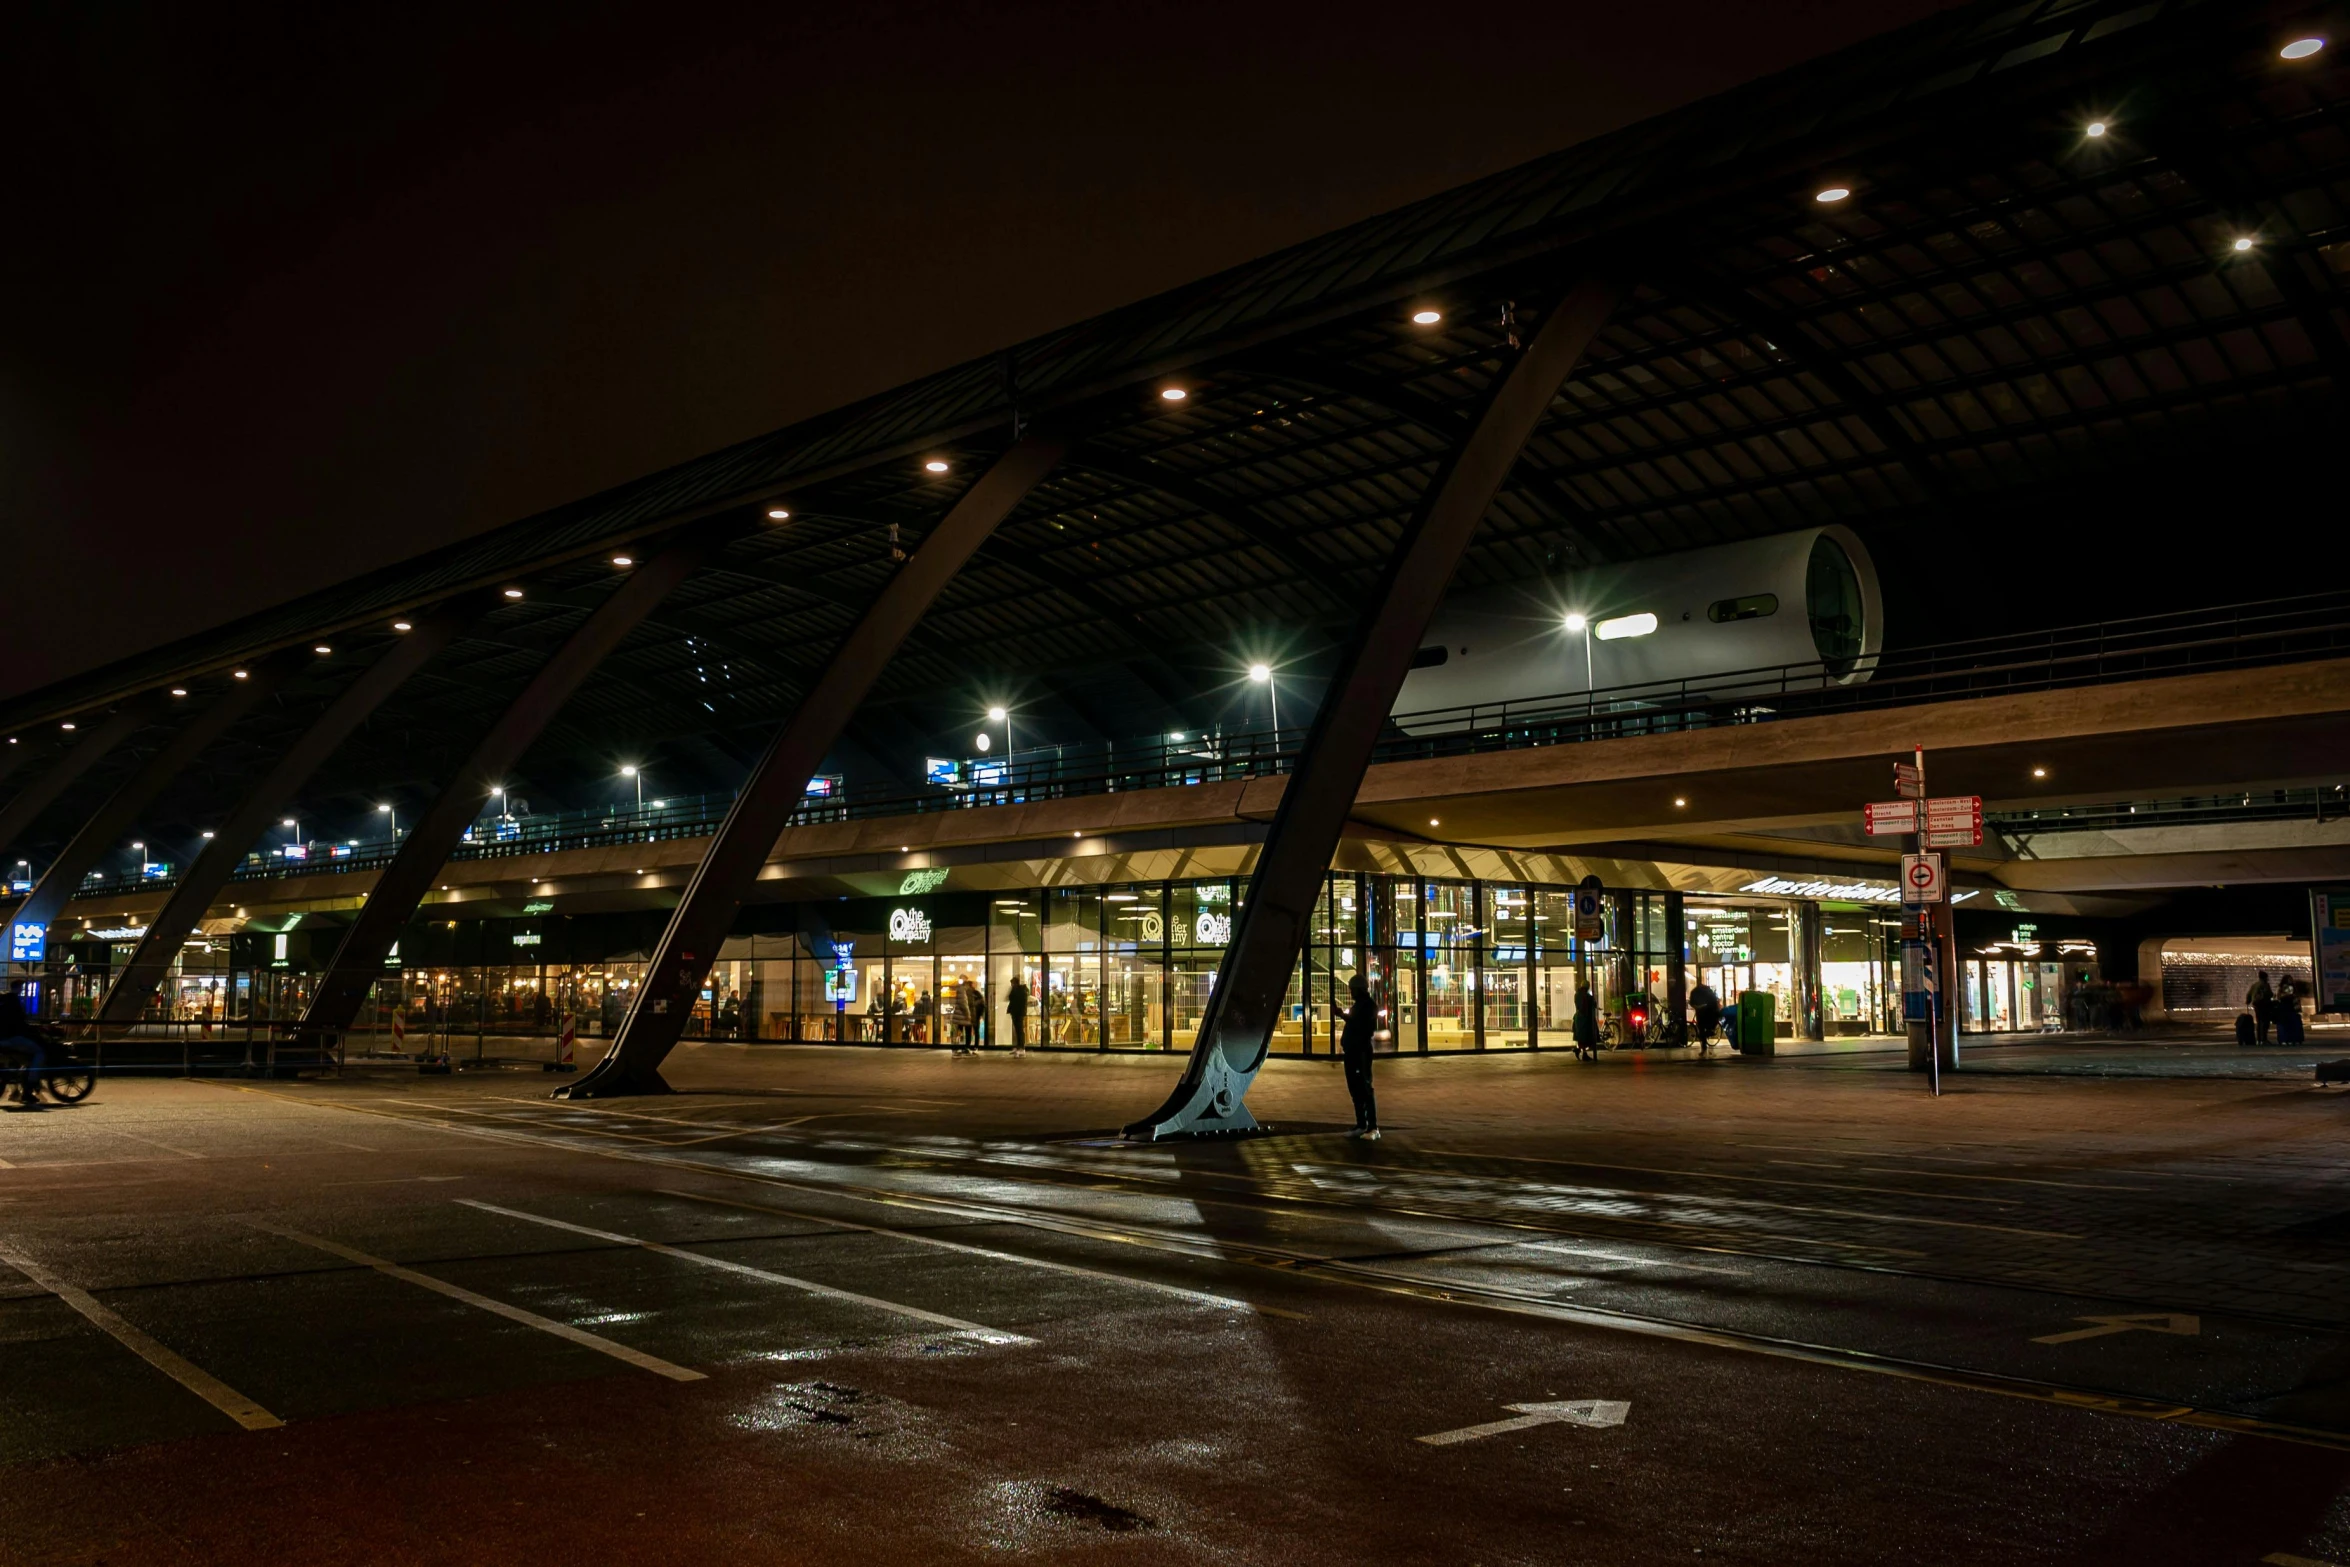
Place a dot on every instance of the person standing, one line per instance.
(1016, 1008)
(1354, 1043)
(2263, 1004)
(1586, 1024)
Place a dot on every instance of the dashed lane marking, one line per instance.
(977, 1330)
(529, 1319)
(194, 1378)
(1201, 1296)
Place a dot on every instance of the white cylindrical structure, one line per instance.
(1807, 602)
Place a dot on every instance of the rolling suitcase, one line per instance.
(2244, 1033)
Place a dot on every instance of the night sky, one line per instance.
(300, 292)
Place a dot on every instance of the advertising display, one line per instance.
(2329, 947)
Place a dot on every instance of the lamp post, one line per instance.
(630, 771)
(139, 848)
(290, 825)
(1262, 674)
(1578, 623)
(999, 715)
(391, 819)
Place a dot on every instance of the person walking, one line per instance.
(2262, 1002)
(1586, 1024)
(974, 1015)
(1016, 1008)
(1354, 1043)
(1708, 1008)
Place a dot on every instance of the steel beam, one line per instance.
(778, 785)
(359, 958)
(1254, 975)
(34, 798)
(107, 825)
(126, 1002)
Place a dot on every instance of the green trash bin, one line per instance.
(1758, 1023)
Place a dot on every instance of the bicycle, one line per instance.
(66, 1079)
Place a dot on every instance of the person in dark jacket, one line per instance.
(1586, 1023)
(1016, 1008)
(1708, 1008)
(1354, 1043)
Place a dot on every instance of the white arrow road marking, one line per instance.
(2149, 1322)
(1572, 1411)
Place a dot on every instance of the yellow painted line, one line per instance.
(530, 1319)
(977, 1330)
(194, 1378)
(1201, 1296)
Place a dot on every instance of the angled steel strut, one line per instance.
(35, 797)
(359, 957)
(778, 783)
(105, 828)
(1254, 975)
(135, 986)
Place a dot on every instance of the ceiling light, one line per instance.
(935, 465)
(2301, 48)
(1832, 193)
(1679, 802)
(1173, 394)
(2243, 242)
(237, 674)
(65, 726)
(624, 560)
(402, 625)
(514, 593)
(1433, 822)
(2039, 772)
(322, 650)
(1622, 626)
(1427, 317)
(179, 690)
(2095, 128)
(778, 514)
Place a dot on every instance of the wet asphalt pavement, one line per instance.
(855, 1306)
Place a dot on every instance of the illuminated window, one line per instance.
(1625, 626)
(1752, 607)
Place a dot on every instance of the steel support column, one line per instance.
(359, 958)
(126, 1001)
(1254, 974)
(34, 798)
(106, 827)
(779, 782)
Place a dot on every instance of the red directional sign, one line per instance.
(1890, 816)
(1950, 822)
(1909, 780)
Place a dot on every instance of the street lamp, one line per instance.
(139, 848)
(1262, 674)
(291, 826)
(1578, 624)
(629, 771)
(998, 715)
(391, 819)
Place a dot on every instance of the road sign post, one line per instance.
(1929, 954)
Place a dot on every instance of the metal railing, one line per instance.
(2234, 636)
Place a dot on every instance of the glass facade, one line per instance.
(1461, 965)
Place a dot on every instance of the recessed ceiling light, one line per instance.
(237, 674)
(778, 514)
(1679, 801)
(1427, 317)
(65, 726)
(2039, 772)
(624, 560)
(1833, 193)
(1173, 394)
(2302, 48)
(934, 466)
(402, 625)
(322, 650)
(514, 593)
(1433, 822)
(2095, 128)
(2243, 242)
(179, 690)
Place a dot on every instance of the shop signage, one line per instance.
(526, 938)
(1922, 881)
(1836, 891)
(910, 926)
(1152, 927)
(538, 908)
(920, 882)
(1210, 929)
(2329, 947)
(118, 933)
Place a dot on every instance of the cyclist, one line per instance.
(22, 1046)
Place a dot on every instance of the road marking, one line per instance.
(200, 1382)
(152, 1143)
(2147, 1322)
(392, 1180)
(531, 1319)
(976, 1330)
(1637, 1262)
(1201, 1296)
(1597, 1412)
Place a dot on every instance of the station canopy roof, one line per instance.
(2001, 303)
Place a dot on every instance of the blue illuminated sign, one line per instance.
(27, 943)
(942, 770)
